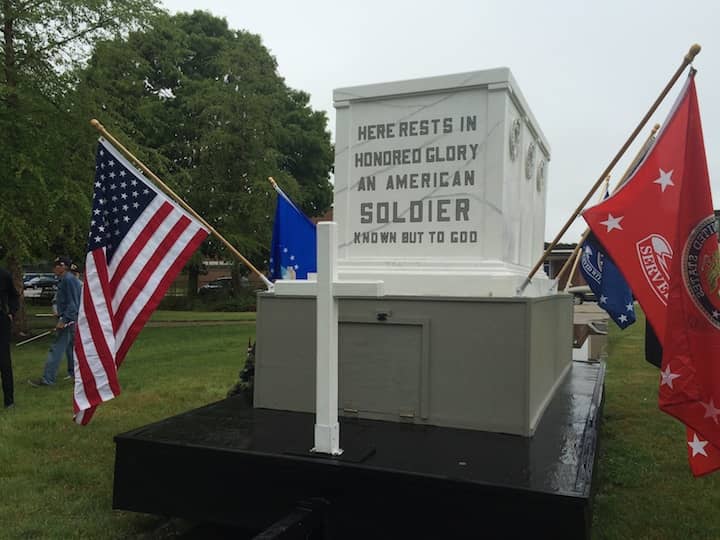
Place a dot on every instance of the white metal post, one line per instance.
(327, 428)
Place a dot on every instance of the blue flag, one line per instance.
(603, 277)
(293, 252)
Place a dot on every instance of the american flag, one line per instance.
(139, 241)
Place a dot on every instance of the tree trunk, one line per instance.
(193, 280)
(20, 326)
(236, 271)
(9, 66)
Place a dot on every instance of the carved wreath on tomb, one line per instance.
(540, 177)
(530, 161)
(514, 142)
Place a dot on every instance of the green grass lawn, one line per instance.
(40, 316)
(160, 316)
(56, 477)
(645, 489)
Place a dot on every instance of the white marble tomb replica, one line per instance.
(440, 194)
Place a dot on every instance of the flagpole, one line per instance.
(278, 189)
(19, 343)
(687, 60)
(274, 184)
(638, 157)
(574, 256)
(280, 192)
(97, 125)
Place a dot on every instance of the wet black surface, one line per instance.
(191, 459)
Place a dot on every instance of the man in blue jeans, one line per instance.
(68, 304)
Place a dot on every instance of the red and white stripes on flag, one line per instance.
(139, 241)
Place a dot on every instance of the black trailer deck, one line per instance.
(230, 464)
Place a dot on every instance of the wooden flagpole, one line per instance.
(278, 189)
(687, 60)
(19, 343)
(140, 165)
(574, 256)
(274, 184)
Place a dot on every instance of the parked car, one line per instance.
(216, 285)
(41, 281)
(220, 285)
(28, 276)
(582, 293)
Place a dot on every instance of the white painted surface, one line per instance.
(327, 429)
(328, 289)
(302, 287)
(581, 353)
(292, 287)
(427, 196)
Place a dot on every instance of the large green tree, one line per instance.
(43, 198)
(205, 107)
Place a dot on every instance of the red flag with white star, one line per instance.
(704, 458)
(691, 347)
(661, 231)
(637, 225)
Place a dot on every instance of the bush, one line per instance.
(178, 303)
(244, 301)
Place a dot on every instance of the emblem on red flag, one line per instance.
(655, 255)
(701, 269)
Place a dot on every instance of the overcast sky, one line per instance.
(588, 70)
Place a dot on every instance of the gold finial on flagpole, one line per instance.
(693, 52)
